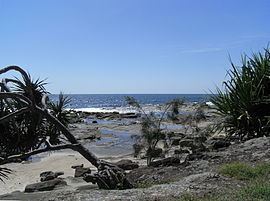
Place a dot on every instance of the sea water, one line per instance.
(122, 142)
(116, 102)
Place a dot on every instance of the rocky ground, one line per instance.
(167, 183)
(197, 173)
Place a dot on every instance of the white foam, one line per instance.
(209, 103)
(121, 110)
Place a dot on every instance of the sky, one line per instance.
(131, 46)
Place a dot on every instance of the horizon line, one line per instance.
(133, 93)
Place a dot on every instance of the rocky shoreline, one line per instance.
(191, 168)
(167, 183)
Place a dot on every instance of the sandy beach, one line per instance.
(28, 172)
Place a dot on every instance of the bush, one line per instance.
(151, 127)
(244, 102)
(28, 130)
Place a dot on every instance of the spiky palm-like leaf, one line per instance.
(4, 172)
(33, 89)
(25, 131)
(108, 176)
(151, 129)
(58, 109)
(244, 103)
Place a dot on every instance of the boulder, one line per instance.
(45, 185)
(49, 175)
(220, 143)
(80, 171)
(127, 164)
(170, 161)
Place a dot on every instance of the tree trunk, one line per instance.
(81, 149)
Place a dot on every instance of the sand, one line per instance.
(28, 172)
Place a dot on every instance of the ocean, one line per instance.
(116, 142)
(97, 102)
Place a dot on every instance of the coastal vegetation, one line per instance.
(257, 185)
(28, 127)
(245, 100)
(31, 124)
(151, 126)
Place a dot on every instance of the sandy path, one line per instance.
(27, 173)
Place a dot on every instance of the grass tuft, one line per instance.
(244, 171)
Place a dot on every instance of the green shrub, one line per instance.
(244, 102)
(151, 126)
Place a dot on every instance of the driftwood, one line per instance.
(109, 176)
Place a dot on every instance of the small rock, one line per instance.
(127, 164)
(94, 122)
(165, 162)
(219, 144)
(49, 175)
(45, 185)
(80, 171)
(59, 173)
(75, 166)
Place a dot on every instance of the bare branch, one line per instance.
(39, 151)
(82, 150)
(15, 68)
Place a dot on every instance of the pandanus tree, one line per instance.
(30, 124)
(244, 102)
(151, 125)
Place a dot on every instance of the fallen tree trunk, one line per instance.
(109, 176)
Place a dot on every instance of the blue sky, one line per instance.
(131, 46)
